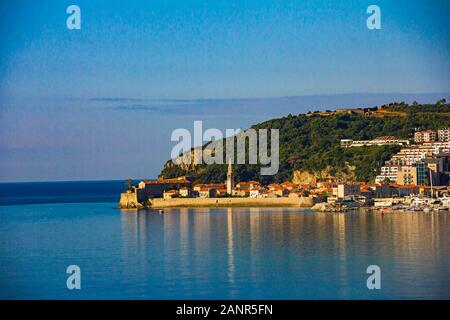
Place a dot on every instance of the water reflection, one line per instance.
(230, 250)
(286, 253)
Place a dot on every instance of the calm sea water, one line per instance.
(212, 253)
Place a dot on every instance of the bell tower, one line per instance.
(230, 181)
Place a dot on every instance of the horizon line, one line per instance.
(62, 181)
(123, 99)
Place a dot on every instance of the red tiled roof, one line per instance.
(171, 191)
(277, 188)
(370, 185)
(393, 184)
(166, 181)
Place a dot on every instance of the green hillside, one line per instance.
(311, 142)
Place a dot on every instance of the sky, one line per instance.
(101, 102)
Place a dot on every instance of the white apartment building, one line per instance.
(438, 147)
(418, 150)
(388, 171)
(382, 177)
(378, 141)
(444, 134)
(425, 136)
(406, 159)
(408, 156)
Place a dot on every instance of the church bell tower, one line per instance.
(230, 181)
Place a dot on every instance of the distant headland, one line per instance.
(385, 156)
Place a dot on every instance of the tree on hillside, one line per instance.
(128, 183)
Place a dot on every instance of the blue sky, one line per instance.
(71, 99)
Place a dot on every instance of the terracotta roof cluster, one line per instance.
(167, 181)
(171, 192)
(210, 185)
(247, 183)
(288, 184)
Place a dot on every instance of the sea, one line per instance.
(211, 253)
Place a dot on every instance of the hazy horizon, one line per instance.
(64, 111)
(81, 149)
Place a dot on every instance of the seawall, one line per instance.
(232, 202)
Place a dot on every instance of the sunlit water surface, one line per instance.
(246, 253)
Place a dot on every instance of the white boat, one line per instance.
(445, 201)
(420, 201)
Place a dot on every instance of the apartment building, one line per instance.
(407, 175)
(378, 141)
(388, 171)
(438, 147)
(444, 135)
(425, 136)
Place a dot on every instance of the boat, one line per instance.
(419, 201)
(445, 201)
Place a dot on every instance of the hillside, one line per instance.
(310, 143)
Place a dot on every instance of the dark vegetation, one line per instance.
(311, 142)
